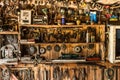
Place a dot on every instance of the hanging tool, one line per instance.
(5, 74)
(94, 68)
(38, 76)
(61, 74)
(83, 73)
(45, 74)
(74, 75)
(49, 75)
(32, 75)
(109, 73)
(102, 72)
(79, 74)
(55, 73)
(66, 74)
(26, 75)
(116, 72)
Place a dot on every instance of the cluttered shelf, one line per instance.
(33, 43)
(61, 26)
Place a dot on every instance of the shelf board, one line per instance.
(67, 61)
(8, 61)
(55, 26)
(33, 43)
(60, 61)
(9, 32)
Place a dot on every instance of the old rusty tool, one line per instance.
(102, 72)
(45, 74)
(61, 74)
(55, 73)
(110, 73)
(74, 75)
(66, 74)
(84, 74)
(49, 75)
(94, 68)
(116, 72)
(79, 74)
(32, 75)
(38, 76)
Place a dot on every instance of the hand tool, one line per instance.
(55, 73)
(25, 75)
(102, 72)
(116, 72)
(83, 73)
(44, 74)
(48, 75)
(109, 73)
(79, 74)
(61, 74)
(6, 74)
(94, 68)
(65, 73)
(21, 75)
(32, 75)
(74, 75)
(39, 76)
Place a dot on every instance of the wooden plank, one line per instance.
(61, 26)
(33, 43)
(8, 32)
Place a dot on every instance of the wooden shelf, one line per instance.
(59, 61)
(33, 43)
(61, 26)
(8, 32)
(8, 61)
(67, 61)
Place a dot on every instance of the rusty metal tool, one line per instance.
(102, 72)
(94, 68)
(110, 73)
(116, 72)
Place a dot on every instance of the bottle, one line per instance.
(93, 37)
(63, 20)
(58, 19)
(88, 35)
(78, 22)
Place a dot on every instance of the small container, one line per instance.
(78, 22)
(88, 35)
(59, 22)
(63, 20)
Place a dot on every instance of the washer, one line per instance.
(78, 49)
